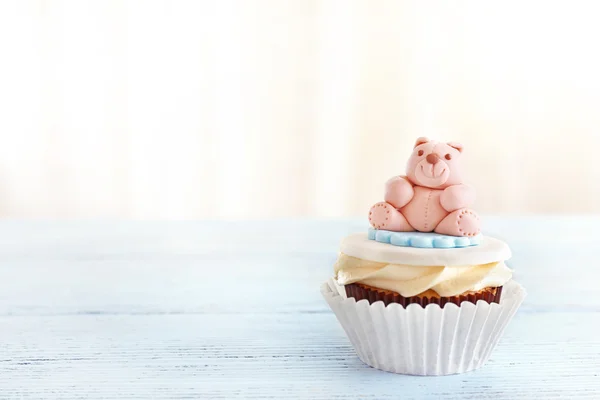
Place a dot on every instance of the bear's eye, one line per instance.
(420, 153)
(448, 157)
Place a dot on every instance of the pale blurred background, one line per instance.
(253, 109)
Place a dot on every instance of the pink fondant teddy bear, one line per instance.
(431, 197)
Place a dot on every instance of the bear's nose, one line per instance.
(433, 158)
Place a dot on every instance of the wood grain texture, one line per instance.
(232, 310)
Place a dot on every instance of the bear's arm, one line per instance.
(398, 191)
(457, 196)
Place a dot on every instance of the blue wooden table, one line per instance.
(230, 309)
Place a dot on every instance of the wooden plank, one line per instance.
(223, 310)
(273, 355)
(564, 277)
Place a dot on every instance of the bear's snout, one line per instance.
(433, 158)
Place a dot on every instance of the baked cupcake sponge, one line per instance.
(360, 291)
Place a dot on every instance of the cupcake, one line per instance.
(422, 291)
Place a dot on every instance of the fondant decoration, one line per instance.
(431, 197)
(488, 250)
(423, 239)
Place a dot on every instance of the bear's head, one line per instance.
(434, 165)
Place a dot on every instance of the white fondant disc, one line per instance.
(489, 250)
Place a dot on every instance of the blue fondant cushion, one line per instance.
(422, 239)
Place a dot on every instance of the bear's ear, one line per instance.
(420, 141)
(456, 145)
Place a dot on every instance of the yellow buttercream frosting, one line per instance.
(409, 280)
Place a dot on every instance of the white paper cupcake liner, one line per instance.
(424, 341)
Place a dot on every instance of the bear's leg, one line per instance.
(462, 222)
(384, 216)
